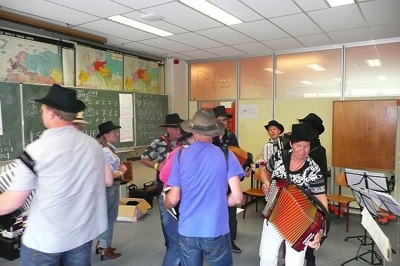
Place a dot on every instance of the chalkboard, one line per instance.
(104, 105)
(101, 106)
(150, 112)
(11, 126)
(33, 126)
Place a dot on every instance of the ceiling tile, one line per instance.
(187, 18)
(260, 30)
(315, 40)
(52, 11)
(283, 44)
(225, 51)
(139, 4)
(345, 17)
(255, 48)
(385, 31)
(381, 12)
(353, 35)
(168, 44)
(308, 5)
(100, 8)
(147, 48)
(185, 57)
(225, 35)
(296, 25)
(200, 54)
(195, 40)
(273, 8)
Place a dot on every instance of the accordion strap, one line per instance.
(28, 161)
(286, 159)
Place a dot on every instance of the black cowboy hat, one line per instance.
(62, 99)
(274, 123)
(106, 127)
(203, 122)
(172, 120)
(315, 121)
(221, 111)
(303, 132)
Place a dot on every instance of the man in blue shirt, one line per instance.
(199, 180)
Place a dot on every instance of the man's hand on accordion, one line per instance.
(265, 187)
(316, 243)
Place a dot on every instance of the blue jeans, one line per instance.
(170, 230)
(112, 192)
(216, 249)
(79, 256)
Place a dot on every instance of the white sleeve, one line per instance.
(22, 178)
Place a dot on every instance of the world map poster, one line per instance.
(28, 61)
(141, 75)
(98, 69)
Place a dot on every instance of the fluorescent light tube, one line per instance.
(316, 67)
(213, 11)
(373, 62)
(306, 82)
(270, 70)
(139, 25)
(334, 3)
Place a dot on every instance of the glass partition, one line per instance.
(256, 77)
(309, 75)
(373, 70)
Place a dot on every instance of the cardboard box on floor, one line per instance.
(132, 213)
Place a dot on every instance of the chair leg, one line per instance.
(245, 207)
(347, 217)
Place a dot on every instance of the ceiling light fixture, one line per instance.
(270, 70)
(381, 77)
(373, 62)
(316, 67)
(139, 25)
(306, 82)
(212, 11)
(334, 3)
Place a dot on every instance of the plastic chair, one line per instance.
(341, 200)
(254, 193)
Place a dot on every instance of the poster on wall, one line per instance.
(98, 69)
(141, 75)
(29, 59)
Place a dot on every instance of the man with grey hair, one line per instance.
(199, 178)
(69, 207)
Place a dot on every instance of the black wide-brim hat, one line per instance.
(63, 99)
(221, 111)
(106, 127)
(172, 120)
(315, 121)
(274, 123)
(303, 132)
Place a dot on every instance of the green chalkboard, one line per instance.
(104, 105)
(33, 126)
(101, 106)
(150, 112)
(11, 125)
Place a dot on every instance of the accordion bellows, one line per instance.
(293, 214)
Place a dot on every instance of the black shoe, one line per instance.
(235, 248)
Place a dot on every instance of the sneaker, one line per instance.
(235, 248)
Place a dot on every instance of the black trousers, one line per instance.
(310, 255)
(232, 222)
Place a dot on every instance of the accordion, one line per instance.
(293, 213)
(7, 175)
(245, 158)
